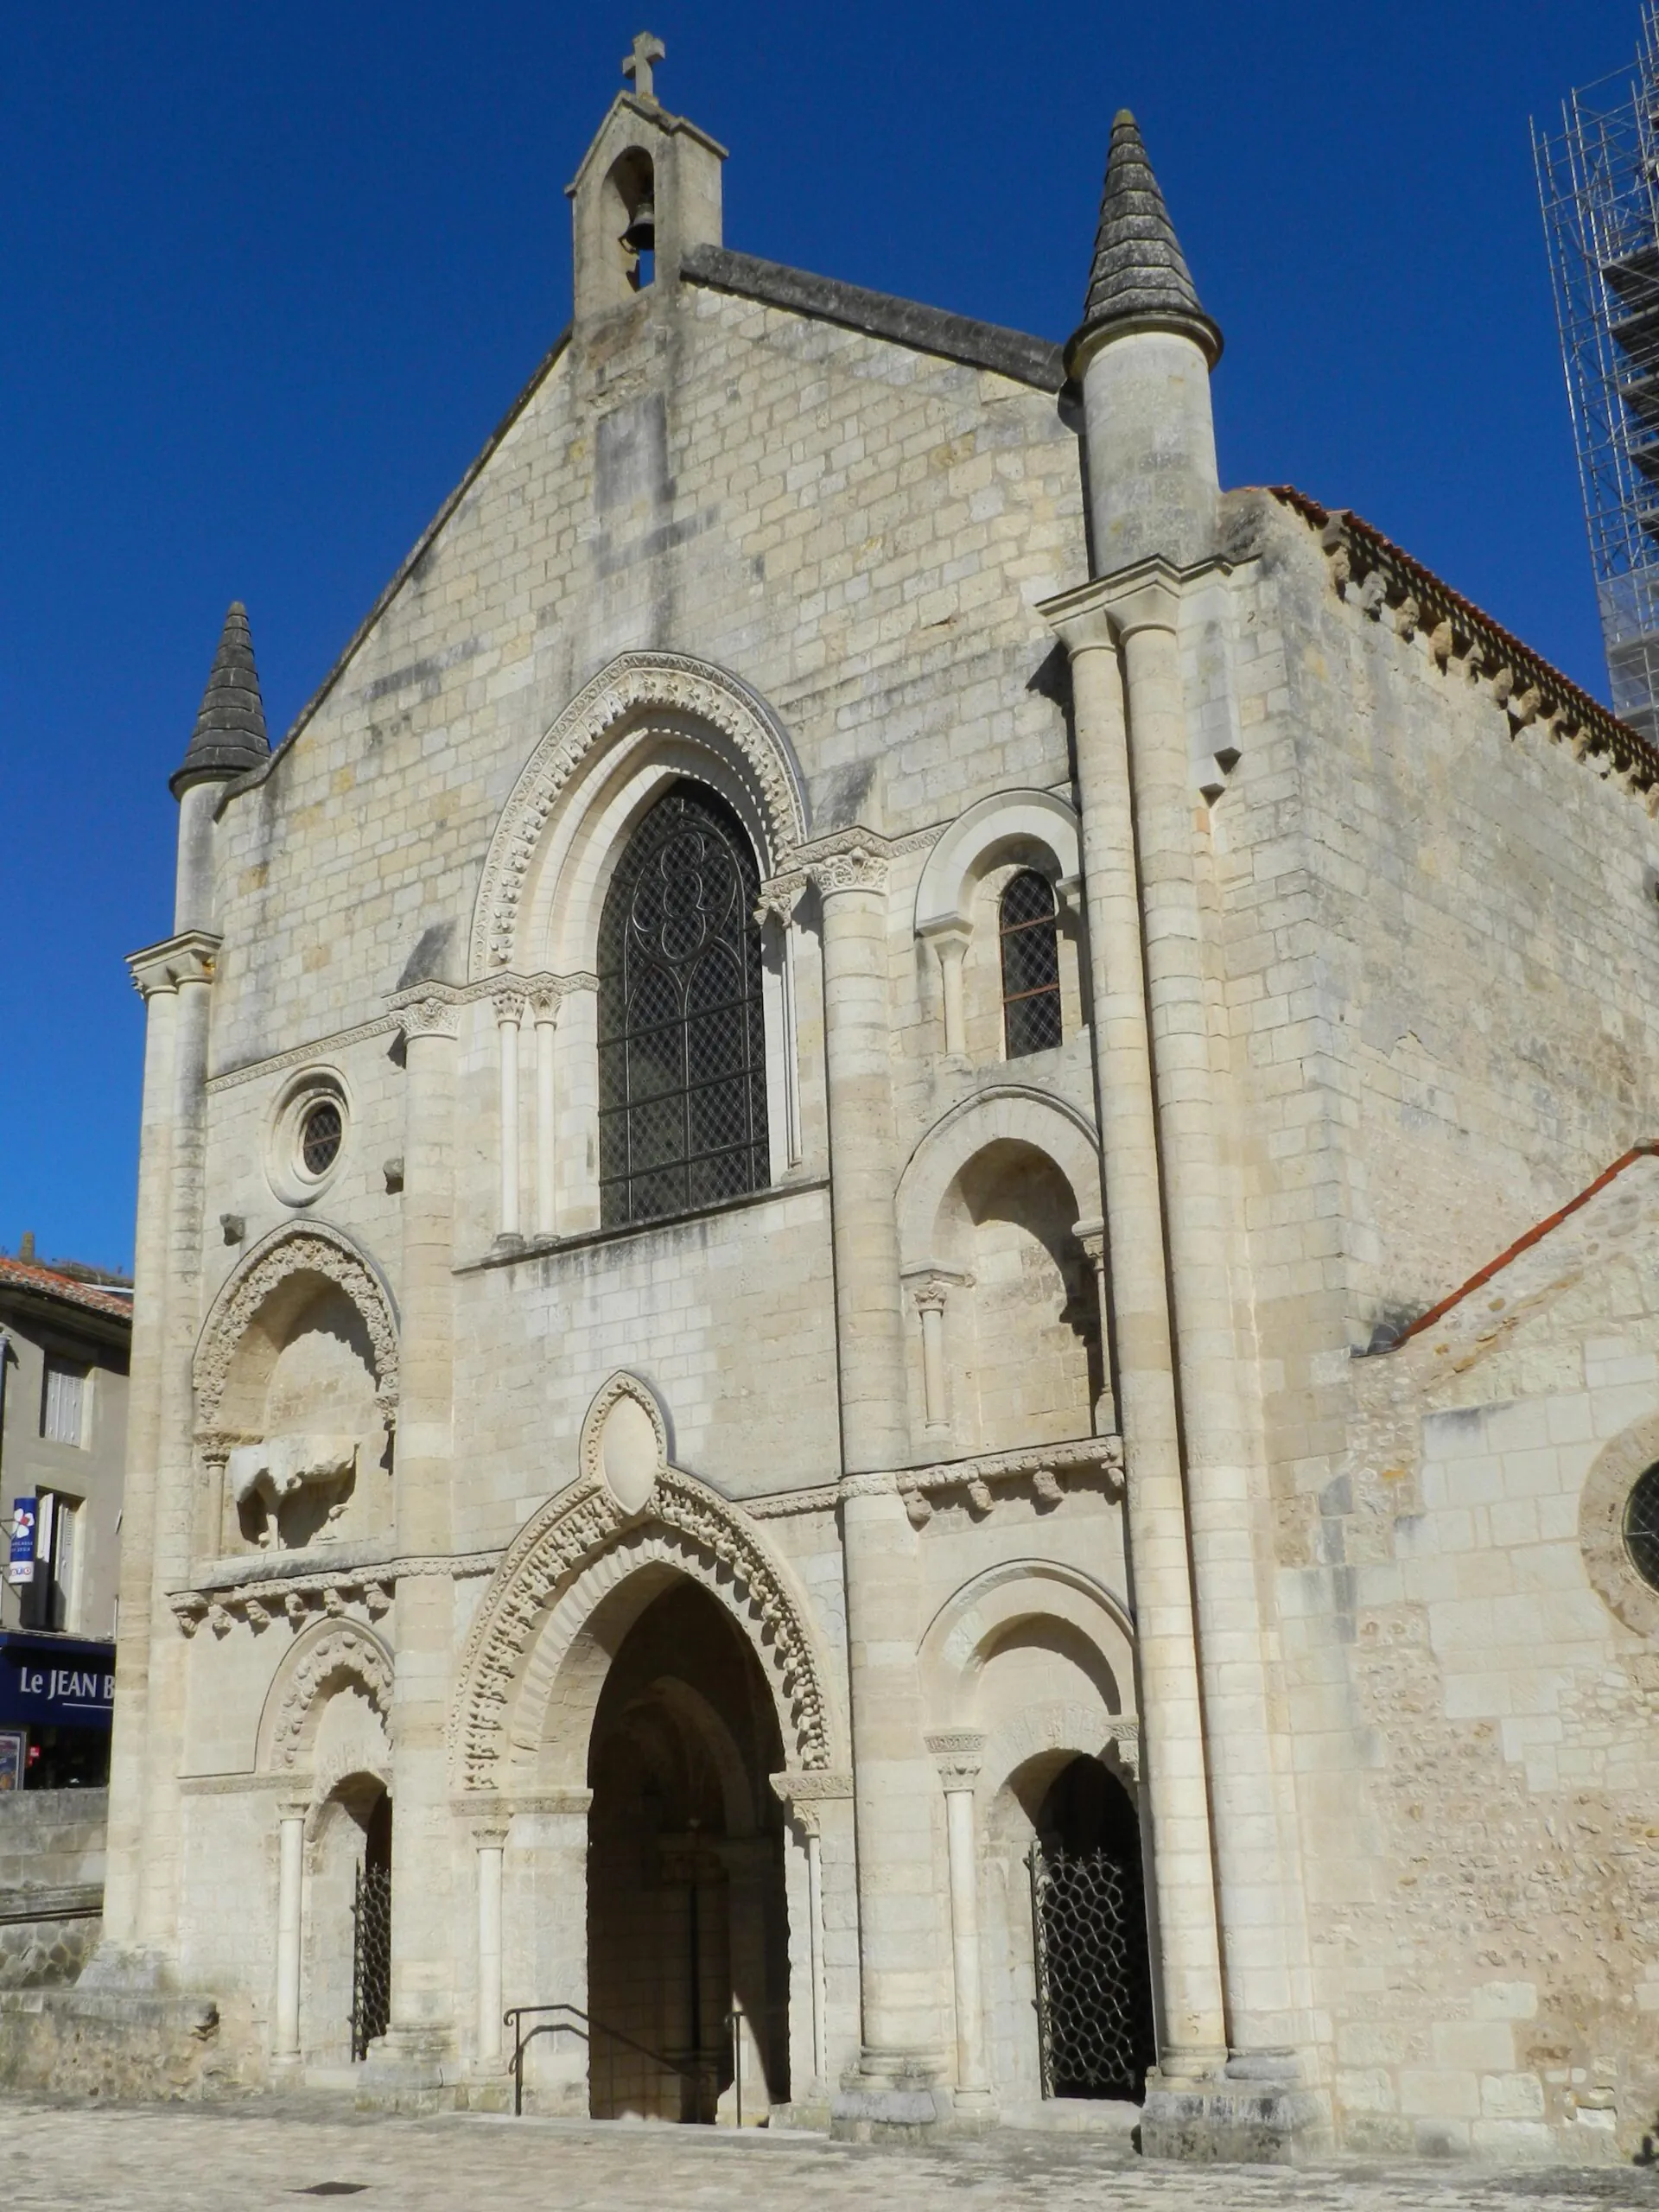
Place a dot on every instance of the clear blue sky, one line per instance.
(270, 276)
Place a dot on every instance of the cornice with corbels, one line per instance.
(1369, 573)
(321, 1593)
(1048, 1469)
(433, 1010)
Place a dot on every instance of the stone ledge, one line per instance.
(1216, 2123)
(118, 2044)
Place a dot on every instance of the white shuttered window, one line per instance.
(63, 1416)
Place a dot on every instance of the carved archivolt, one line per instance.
(311, 1250)
(345, 1652)
(624, 692)
(586, 1536)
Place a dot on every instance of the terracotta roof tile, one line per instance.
(46, 1282)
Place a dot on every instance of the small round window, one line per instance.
(320, 1136)
(1642, 1526)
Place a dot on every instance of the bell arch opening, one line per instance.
(688, 1933)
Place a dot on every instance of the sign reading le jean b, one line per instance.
(53, 1679)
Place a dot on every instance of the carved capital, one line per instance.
(852, 860)
(779, 896)
(959, 1753)
(510, 1008)
(432, 1016)
(188, 958)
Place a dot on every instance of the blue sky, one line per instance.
(271, 276)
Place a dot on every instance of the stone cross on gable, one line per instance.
(647, 48)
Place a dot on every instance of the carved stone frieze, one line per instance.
(576, 1528)
(308, 1250)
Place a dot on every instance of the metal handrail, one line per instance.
(578, 2024)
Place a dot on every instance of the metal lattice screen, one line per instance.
(681, 1044)
(371, 1957)
(1094, 1984)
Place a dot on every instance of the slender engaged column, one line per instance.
(154, 980)
(1264, 1928)
(290, 1878)
(509, 1016)
(1191, 2022)
(815, 1937)
(544, 1005)
(491, 1843)
(423, 2025)
(950, 943)
(1091, 1235)
(904, 1972)
(957, 1750)
(930, 1304)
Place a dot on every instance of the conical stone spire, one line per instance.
(1139, 279)
(229, 737)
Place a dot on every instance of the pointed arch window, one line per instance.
(682, 1047)
(1028, 923)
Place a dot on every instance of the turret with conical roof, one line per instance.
(1144, 353)
(228, 740)
(229, 737)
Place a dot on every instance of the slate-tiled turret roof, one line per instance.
(1139, 279)
(229, 737)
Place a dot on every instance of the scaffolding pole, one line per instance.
(1599, 187)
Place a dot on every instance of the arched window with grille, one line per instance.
(1028, 921)
(682, 1047)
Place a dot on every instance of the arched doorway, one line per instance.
(687, 1927)
(1089, 1928)
(347, 1949)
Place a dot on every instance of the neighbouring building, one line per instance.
(799, 1381)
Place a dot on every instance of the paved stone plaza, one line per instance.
(249, 2156)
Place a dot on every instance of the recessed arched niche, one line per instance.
(296, 1392)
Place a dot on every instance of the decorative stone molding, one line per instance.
(432, 1015)
(323, 1592)
(692, 1528)
(323, 1048)
(1046, 1468)
(628, 691)
(511, 1006)
(1601, 1526)
(625, 1441)
(346, 1650)
(959, 1753)
(309, 1249)
(779, 898)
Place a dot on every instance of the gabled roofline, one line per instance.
(256, 776)
(659, 119)
(960, 337)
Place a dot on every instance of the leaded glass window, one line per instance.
(1642, 1526)
(1028, 925)
(682, 1047)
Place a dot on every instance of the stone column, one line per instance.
(490, 1840)
(576, 1088)
(172, 1525)
(950, 943)
(957, 1750)
(508, 1017)
(1091, 1236)
(929, 1297)
(747, 1863)
(290, 1887)
(1263, 1929)
(903, 1978)
(154, 978)
(544, 1007)
(1192, 2031)
(423, 1931)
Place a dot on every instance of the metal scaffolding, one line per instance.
(1599, 184)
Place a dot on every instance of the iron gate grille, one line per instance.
(1094, 1988)
(371, 1957)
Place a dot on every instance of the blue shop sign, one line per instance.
(55, 1681)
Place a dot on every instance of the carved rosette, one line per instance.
(621, 695)
(311, 1249)
(574, 1530)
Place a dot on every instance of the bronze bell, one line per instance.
(640, 237)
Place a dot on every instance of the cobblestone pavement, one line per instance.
(189, 2158)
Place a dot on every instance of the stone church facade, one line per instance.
(800, 1385)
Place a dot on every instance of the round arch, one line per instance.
(646, 717)
(1007, 1113)
(289, 1264)
(328, 1656)
(995, 828)
(967, 1628)
(577, 1575)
